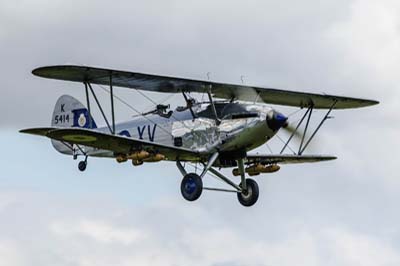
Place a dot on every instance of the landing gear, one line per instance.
(191, 186)
(249, 196)
(82, 165)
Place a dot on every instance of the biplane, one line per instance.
(217, 133)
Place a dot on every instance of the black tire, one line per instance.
(82, 166)
(250, 196)
(191, 187)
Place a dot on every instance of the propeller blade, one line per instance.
(290, 129)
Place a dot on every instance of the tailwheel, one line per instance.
(249, 196)
(191, 187)
(82, 165)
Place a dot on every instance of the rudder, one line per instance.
(69, 112)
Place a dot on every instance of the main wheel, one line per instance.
(249, 196)
(191, 186)
(82, 166)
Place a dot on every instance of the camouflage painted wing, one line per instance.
(167, 84)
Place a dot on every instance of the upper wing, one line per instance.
(157, 83)
(117, 144)
(287, 158)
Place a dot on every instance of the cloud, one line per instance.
(337, 213)
(10, 254)
(98, 231)
(369, 41)
(355, 249)
(167, 37)
(6, 200)
(145, 235)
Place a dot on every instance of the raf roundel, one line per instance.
(81, 120)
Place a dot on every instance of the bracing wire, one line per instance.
(171, 95)
(294, 112)
(208, 173)
(161, 102)
(269, 148)
(285, 143)
(151, 100)
(134, 109)
(145, 96)
(168, 97)
(172, 115)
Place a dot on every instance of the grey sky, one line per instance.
(338, 213)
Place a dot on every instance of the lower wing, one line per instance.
(125, 145)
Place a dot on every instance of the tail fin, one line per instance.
(69, 112)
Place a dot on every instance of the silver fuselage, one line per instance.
(202, 134)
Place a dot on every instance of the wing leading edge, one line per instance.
(167, 84)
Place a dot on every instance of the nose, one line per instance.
(276, 120)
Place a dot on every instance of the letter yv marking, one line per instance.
(151, 134)
(141, 131)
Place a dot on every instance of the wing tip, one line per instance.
(39, 131)
(322, 157)
(42, 71)
(27, 130)
(368, 102)
(374, 102)
(329, 158)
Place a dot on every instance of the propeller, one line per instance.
(290, 129)
(276, 121)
